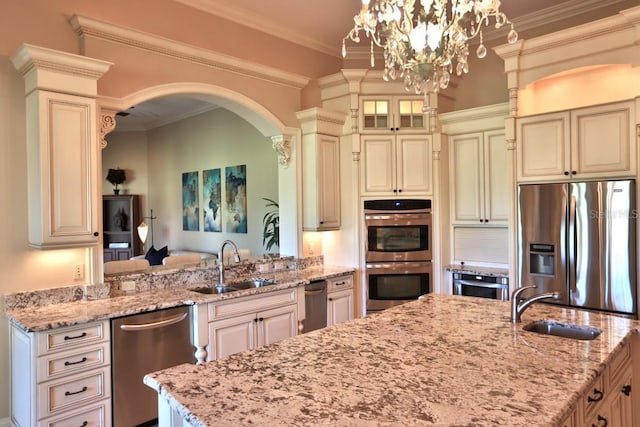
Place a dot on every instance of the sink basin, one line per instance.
(249, 284)
(566, 330)
(214, 290)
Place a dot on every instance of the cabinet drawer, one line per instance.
(339, 283)
(251, 304)
(72, 336)
(72, 361)
(619, 364)
(594, 396)
(96, 415)
(71, 392)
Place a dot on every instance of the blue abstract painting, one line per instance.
(212, 198)
(236, 198)
(190, 202)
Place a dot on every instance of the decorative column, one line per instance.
(282, 145)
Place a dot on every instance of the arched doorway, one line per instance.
(281, 137)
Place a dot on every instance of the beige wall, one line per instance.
(156, 159)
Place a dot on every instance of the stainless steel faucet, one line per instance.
(518, 306)
(236, 257)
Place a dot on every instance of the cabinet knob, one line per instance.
(96, 234)
(626, 389)
(400, 190)
(486, 220)
(597, 396)
(573, 172)
(602, 422)
(321, 222)
(566, 173)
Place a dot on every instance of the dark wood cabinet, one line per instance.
(120, 219)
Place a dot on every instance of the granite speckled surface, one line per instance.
(50, 313)
(442, 361)
(470, 269)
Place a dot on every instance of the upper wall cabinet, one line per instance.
(62, 147)
(583, 143)
(321, 168)
(479, 179)
(384, 114)
(394, 165)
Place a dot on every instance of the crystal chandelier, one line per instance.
(424, 40)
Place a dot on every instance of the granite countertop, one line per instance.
(49, 316)
(443, 360)
(472, 269)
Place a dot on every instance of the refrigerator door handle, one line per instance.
(572, 240)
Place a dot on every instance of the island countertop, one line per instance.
(443, 360)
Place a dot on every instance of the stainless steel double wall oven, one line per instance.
(397, 251)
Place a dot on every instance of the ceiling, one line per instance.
(321, 25)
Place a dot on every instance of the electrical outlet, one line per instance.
(128, 285)
(78, 271)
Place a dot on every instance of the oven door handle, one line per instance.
(480, 284)
(153, 325)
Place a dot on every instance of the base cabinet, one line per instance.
(609, 400)
(61, 377)
(339, 300)
(251, 322)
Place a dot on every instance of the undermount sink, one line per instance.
(214, 289)
(232, 287)
(565, 330)
(249, 284)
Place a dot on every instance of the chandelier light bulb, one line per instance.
(425, 40)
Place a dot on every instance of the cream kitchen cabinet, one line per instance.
(609, 399)
(396, 165)
(593, 142)
(339, 299)
(62, 146)
(250, 322)
(478, 175)
(385, 114)
(61, 377)
(321, 168)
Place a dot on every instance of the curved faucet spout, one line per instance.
(518, 306)
(236, 257)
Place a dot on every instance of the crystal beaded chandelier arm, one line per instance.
(423, 38)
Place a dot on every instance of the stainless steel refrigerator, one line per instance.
(579, 239)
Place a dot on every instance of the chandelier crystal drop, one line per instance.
(425, 41)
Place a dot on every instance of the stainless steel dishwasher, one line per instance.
(144, 343)
(315, 306)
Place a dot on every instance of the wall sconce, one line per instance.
(143, 228)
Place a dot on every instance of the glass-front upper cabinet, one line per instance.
(392, 114)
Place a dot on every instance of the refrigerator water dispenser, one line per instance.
(542, 259)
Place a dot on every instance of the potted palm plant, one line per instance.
(271, 225)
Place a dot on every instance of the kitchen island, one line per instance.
(443, 360)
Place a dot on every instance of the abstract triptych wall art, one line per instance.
(212, 199)
(236, 198)
(190, 202)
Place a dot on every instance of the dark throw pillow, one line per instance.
(155, 256)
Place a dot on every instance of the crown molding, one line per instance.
(257, 22)
(89, 27)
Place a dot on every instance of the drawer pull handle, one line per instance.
(84, 424)
(602, 422)
(67, 363)
(341, 283)
(82, 335)
(71, 393)
(598, 395)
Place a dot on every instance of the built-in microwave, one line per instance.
(397, 230)
(393, 283)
